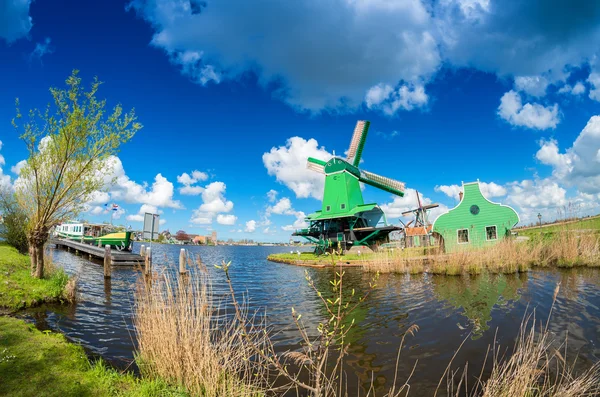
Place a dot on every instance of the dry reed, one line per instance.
(564, 249)
(535, 368)
(186, 339)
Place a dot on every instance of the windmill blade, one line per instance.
(430, 206)
(381, 182)
(358, 142)
(408, 212)
(316, 165)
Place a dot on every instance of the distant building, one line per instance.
(213, 237)
(199, 239)
(475, 222)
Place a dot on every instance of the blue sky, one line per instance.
(243, 92)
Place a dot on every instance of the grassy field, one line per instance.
(35, 363)
(586, 224)
(19, 290)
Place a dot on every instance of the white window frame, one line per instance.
(468, 236)
(486, 234)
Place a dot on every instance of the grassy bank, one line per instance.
(560, 249)
(35, 363)
(585, 224)
(18, 289)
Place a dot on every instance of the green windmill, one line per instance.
(344, 218)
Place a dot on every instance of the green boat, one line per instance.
(94, 234)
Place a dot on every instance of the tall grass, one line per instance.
(564, 249)
(185, 338)
(536, 367)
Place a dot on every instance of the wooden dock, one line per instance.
(118, 258)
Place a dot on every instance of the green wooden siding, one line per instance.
(474, 213)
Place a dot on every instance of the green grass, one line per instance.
(18, 289)
(586, 224)
(34, 363)
(326, 259)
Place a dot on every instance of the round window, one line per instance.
(474, 210)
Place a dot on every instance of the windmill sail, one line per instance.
(316, 165)
(381, 182)
(358, 142)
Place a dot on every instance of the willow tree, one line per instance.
(69, 146)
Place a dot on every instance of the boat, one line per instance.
(95, 234)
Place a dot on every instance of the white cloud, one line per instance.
(577, 89)
(579, 165)
(534, 115)
(299, 223)
(145, 208)
(41, 49)
(530, 195)
(283, 206)
(250, 226)
(188, 181)
(160, 193)
(409, 201)
(288, 165)
(325, 54)
(15, 21)
(489, 190)
(16, 169)
(594, 80)
(213, 203)
(226, 219)
(272, 195)
(4, 179)
(406, 97)
(532, 85)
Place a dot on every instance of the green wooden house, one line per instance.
(475, 222)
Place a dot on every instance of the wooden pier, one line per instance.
(117, 258)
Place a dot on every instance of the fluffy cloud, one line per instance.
(250, 226)
(272, 195)
(534, 195)
(577, 89)
(145, 208)
(226, 219)
(579, 165)
(288, 165)
(532, 85)
(284, 207)
(16, 169)
(594, 80)
(335, 54)
(213, 204)
(406, 97)
(15, 21)
(4, 179)
(188, 181)
(409, 201)
(534, 115)
(326, 54)
(160, 193)
(489, 190)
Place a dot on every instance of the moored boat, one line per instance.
(95, 234)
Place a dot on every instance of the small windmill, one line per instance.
(421, 226)
(344, 218)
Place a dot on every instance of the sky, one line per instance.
(235, 95)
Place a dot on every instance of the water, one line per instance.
(448, 311)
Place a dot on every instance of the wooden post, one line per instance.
(148, 261)
(143, 250)
(182, 259)
(107, 261)
(99, 244)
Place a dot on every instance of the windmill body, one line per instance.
(344, 218)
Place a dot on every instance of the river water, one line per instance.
(480, 310)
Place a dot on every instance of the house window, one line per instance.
(463, 236)
(328, 208)
(491, 233)
(343, 206)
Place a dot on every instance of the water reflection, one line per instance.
(447, 310)
(477, 296)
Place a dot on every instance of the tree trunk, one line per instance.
(39, 271)
(32, 258)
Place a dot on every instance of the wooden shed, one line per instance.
(475, 222)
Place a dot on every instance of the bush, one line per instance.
(14, 222)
